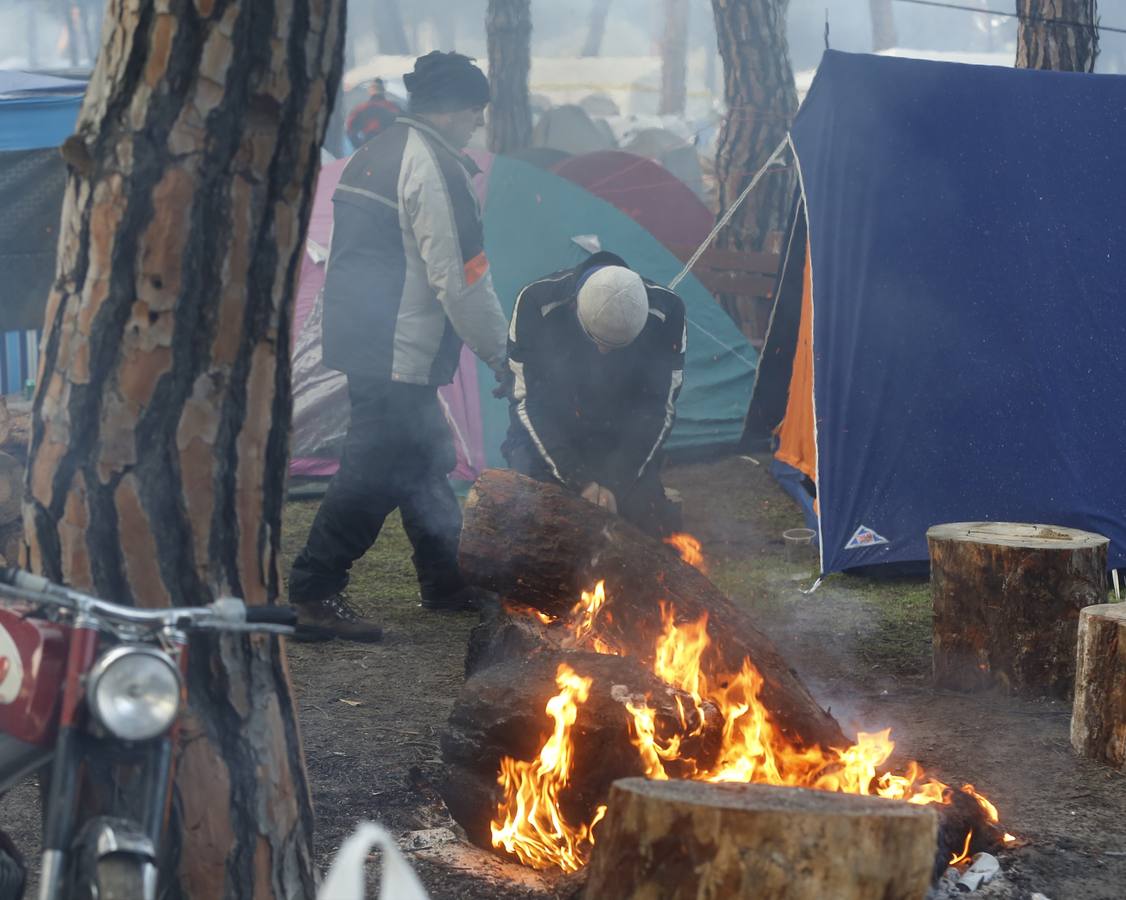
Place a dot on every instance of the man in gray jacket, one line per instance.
(407, 284)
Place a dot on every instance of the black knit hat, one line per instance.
(446, 82)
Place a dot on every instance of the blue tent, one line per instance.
(37, 113)
(964, 303)
(532, 218)
(37, 110)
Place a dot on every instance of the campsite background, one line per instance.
(863, 644)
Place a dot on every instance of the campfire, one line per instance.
(613, 657)
(530, 823)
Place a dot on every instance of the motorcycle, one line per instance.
(90, 697)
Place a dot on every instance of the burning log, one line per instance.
(1006, 604)
(500, 713)
(688, 839)
(1098, 719)
(539, 545)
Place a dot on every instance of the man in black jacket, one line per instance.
(597, 359)
(407, 282)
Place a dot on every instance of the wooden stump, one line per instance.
(689, 840)
(1006, 604)
(1098, 719)
(542, 546)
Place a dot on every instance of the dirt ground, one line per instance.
(371, 715)
(863, 646)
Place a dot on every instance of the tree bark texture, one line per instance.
(539, 545)
(674, 59)
(509, 28)
(883, 25)
(1007, 599)
(1057, 34)
(681, 840)
(761, 102)
(1098, 718)
(390, 35)
(596, 27)
(161, 416)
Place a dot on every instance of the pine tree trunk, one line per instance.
(761, 101)
(1045, 42)
(161, 417)
(390, 36)
(509, 27)
(596, 27)
(883, 25)
(674, 59)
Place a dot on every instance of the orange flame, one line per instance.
(583, 619)
(753, 748)
(529, 822)
(689, 549)
(965, 854)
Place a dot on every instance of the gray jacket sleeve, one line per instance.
(446, 222)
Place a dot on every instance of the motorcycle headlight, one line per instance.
(134, 692)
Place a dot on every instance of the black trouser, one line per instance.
(397, 454)
(644, 504)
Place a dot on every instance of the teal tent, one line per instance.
(532, 220)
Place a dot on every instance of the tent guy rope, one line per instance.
(727, 216)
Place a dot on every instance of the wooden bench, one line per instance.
(743, 281)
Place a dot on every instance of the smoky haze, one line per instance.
(33, 36)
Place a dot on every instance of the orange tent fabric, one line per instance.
(796, 445)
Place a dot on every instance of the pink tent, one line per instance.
(645, 191)
(320, 402)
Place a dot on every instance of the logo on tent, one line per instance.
(865, 537)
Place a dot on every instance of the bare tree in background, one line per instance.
(674, 58)
(1058, 34)
(761, 101)
(596, 27)
(390, 35)
(157, 463)
(883, 25)
(508, 25)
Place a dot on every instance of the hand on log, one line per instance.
(539, 545)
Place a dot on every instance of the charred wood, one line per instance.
(539, 545)
(500, 712)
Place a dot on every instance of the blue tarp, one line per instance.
(531, 219)
(967, 229)
(37, 110)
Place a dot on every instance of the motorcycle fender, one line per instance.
(33, 656)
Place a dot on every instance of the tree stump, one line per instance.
(686, 840)
(1006, 604)
(540, 545)
(1098, 719)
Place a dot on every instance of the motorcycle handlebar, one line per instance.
(271, 615)
(225, 614)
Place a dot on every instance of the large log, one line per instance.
(685, 840)
(1006, 604)
(542, 546)
(501, 712)
(1098, 718)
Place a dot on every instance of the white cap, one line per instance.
(613, 306)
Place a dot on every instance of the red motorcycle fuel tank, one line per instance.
(33, 655)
